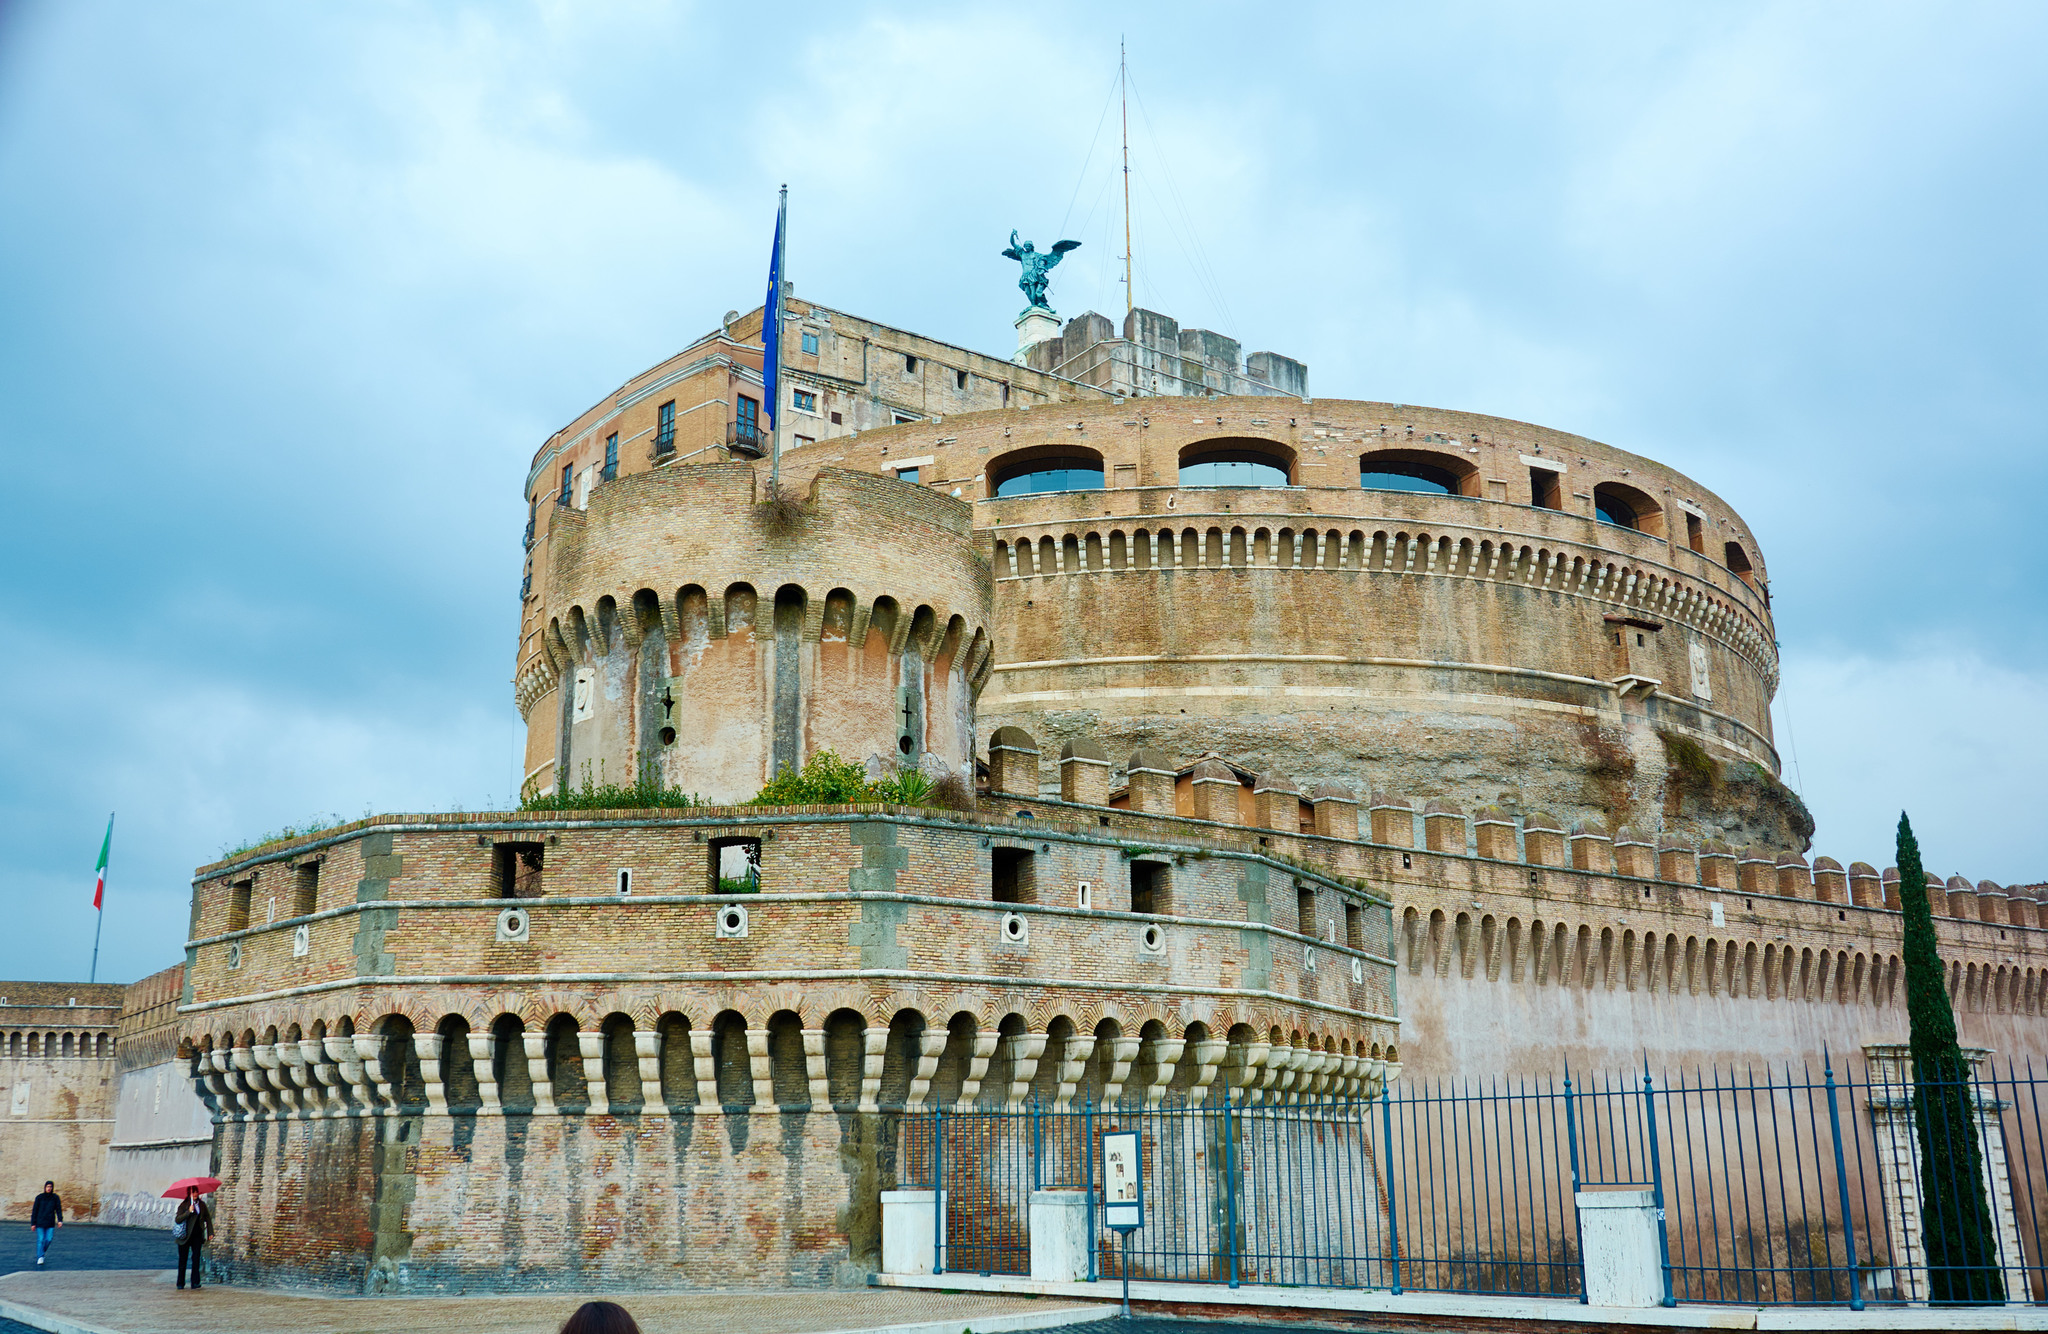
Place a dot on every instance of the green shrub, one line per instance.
(827, 780)
(597, 795)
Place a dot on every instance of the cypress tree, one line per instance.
(1962, 1254)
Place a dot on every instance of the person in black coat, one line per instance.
(192, 1228)
(46, 1215)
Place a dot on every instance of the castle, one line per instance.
(1302, 742)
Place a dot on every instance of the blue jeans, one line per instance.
(44, 1235)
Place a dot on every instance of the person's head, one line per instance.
(191, 1194)
(600, 1318)
(49, 1185)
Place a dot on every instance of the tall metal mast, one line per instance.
(1123, 90)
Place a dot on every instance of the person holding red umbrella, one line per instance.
(193, 1226)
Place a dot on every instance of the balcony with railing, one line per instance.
(746, 438)
(664, 442)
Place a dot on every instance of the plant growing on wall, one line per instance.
(1962, 1254)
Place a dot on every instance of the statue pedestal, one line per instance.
(1035, 325)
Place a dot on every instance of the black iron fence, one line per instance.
(1783, 1187)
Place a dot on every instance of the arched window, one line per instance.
(1423, 471)
(1045, 468)
(1612, 509)
(1240, 462)
(1738, 563)
(1626, 507)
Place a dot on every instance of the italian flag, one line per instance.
(99, 884)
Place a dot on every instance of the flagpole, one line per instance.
(781, 277)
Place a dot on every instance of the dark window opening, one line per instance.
(1354, 926)
(516, 868)
(1305, 910)
(611, 456)
(665, 429)
(1056, 472)
(746, 425)
(1378, 475)
(1737, 561)
(1695, 533)
(1006, 395)
(1010, 876)
(960, 380)
(238, 904)
(906, 474)
(567, 472)
(1149, 887)
(1543, 489)
(508, 1064)
(909, 364)
(836, 420)
(305, 888)
(1639, 641)
(735, 866)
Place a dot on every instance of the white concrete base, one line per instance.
(909, 1231)
(1059, 1235)
(1459, 1311)
(1035, 325)
(1624, 1263)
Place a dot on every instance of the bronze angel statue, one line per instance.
(1037, 263)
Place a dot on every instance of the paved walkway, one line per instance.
(144, 1301)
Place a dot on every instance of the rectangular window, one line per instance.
(909, 364)
(665, 429)
(899, 418)
(611, 456)
(1695, 533)
(1149, 887)
(516, 868)
(803, 400)
(906, 474)
(238, 904)
(747, 429)
(1010, 876)
(836, 421)
(1354, 926)
(810, 343)
(568, 472)
(735, 865)
(305, 888)
(960, 380)
(1305, 910)
(1543, 489)
(803, 440)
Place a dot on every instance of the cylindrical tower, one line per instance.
(692, 629)
(1454, 606)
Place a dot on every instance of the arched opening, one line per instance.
(1738, 564)
(1626, 507)
(563, 1054)
(1236, 462)
(678, 1062)
(731, 1068)
(1045, 468)
(622, 1091)
(508, 1064)
(845, 1053)
(458, 1066)
(1422, 471)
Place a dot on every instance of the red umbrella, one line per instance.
(205, 1186)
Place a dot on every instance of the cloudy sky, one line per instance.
(289, 295)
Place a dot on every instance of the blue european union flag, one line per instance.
(771, 320)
